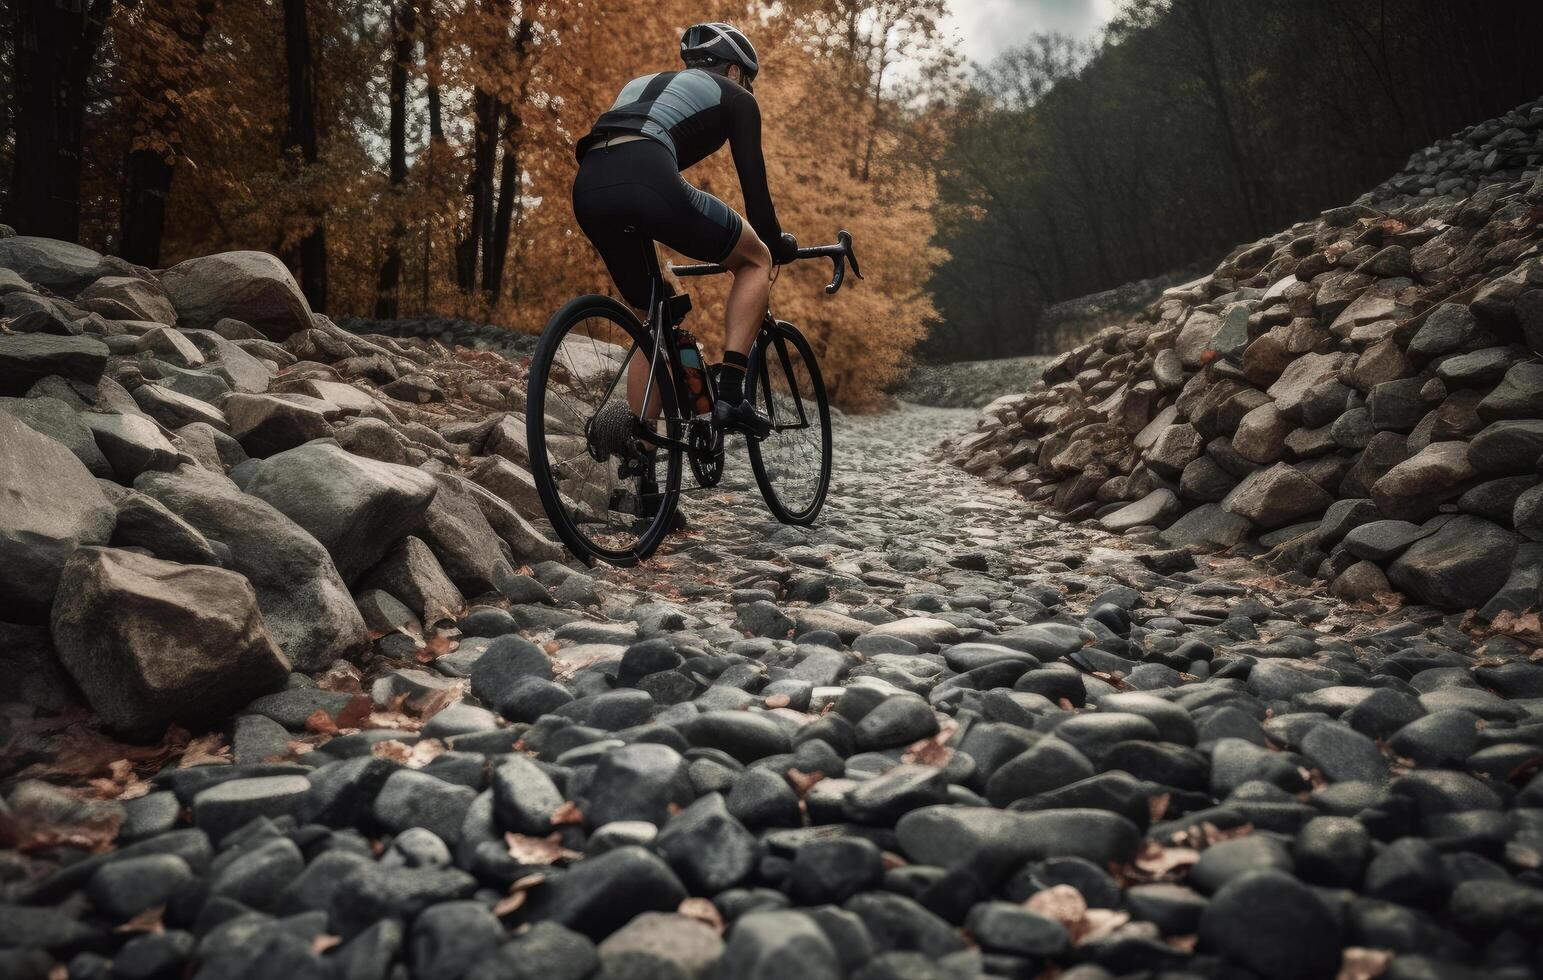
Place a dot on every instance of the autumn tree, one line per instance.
(300, 144)
(161, 47)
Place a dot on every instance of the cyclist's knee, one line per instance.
(749, 253)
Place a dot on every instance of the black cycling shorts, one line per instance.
(629, 195)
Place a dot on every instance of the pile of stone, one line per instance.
(449, 331)
(1361, 394)
(205, 485)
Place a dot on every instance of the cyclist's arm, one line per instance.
(745, 140)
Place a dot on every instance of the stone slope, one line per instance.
(1361, 394)
(211, 435)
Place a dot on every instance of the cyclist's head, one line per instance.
(716, 47)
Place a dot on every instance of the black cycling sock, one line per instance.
(731, 377)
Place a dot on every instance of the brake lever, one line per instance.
(839, 260)
(845, 238)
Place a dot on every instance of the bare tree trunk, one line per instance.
(1198, 13)
(508, 194)
(55, 49)
(149, 172)
(391, 268)
(436, 131)
(480, 187)
(302, 139)
(496, 252)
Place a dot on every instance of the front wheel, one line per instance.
(607, 498)
(792, 464)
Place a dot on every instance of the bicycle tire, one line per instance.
(770, 362)
(565, 518)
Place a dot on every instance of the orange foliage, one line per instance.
(841, 143)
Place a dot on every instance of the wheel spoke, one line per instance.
(582, 461)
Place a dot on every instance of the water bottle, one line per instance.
(695, 395)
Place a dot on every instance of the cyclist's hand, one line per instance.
(785, 249)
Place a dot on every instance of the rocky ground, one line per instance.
(296, 684)
(935, 737)
(969, 384)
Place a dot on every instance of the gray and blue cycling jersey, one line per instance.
(693, 113)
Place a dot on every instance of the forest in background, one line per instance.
(414, 157)
(1192, 126)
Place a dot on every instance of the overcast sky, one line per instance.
(986, 27)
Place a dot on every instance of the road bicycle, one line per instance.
(617, 408)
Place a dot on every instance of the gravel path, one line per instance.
(999, 747)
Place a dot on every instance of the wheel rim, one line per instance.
(584, 395)
(795, 454)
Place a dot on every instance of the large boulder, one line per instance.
(152, 643)
(1415, 488)
(128, 298)
(253, 287)
(356, 507)
(462, 538)
(412, 575)
(58, 421)
(1459, 567)
(1277, 496)
(303, 599)
(26, 359)
(1518, 396)
(526, 543)
(61, 267)
(132, 444)
(50, 505)
(269, 424)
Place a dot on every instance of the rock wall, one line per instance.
(1361, 395)
(206, 485)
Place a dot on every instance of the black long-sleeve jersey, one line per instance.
(693, 113)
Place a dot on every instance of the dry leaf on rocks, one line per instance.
(539, 850)
(704, 911)
(92, 828)
(1065, 904)
(568, 813)
(342, 677)
(1206, 834)
(1360, 963)
(933, 751)
(1159, 861)
(354, 713)
(147, 921)
(320, 723)
(803, 782)
(512, 902)
(414, 756)
(324, 941)
(206, 750)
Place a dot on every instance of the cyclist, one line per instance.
(629, 194)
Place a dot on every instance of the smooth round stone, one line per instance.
(968, 656)
(1273, 924)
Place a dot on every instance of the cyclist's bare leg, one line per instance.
(751, 265)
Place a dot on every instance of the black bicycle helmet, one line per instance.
(710, 44)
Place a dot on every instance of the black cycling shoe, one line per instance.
(743, 417)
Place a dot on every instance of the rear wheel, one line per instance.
(606, 499)
(792, 464)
